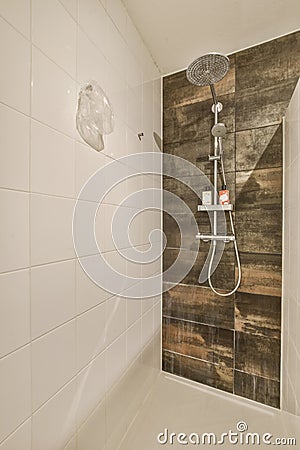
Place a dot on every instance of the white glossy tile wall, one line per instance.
(15, 147)
(14, 311)
(64, 342)
(15, 79)
(15, 390)
(21, 438)
(291, 259)
(52, 296)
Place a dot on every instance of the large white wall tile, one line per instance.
(17, 13)
(14, 311)
(134, 40)
(147, 327)
(92, 434)
(53, 362)
(134, 120)
(71, 445)
(52, 296)
(116, 141)
(14, 142)
(88, 161)
(52, 161)
(53, 94)
(116, 51)
(91, 387)
(133, 341)
(50, 15)
(91, 334)
(15, 393)
(118, 14)
(21, 438)
(133, 310)
(148, 303)
(134, 74)
(71, 6)
(91, 63)
(103, 227)
(54, 424)
(115, 318)
(115, 360)
(51, 229)
(14, 239)
(93, 19)
(88, 293)
(15, 79)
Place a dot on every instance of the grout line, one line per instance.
(75, 258)
(68, 12)
(258, 376)
(29, 418)
(194, 321)
(194, 358)
(29, 237)
(28, 39)
(74, 318)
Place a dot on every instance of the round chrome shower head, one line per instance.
(208, 69)
(218, 130)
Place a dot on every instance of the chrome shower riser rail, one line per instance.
(206, 71)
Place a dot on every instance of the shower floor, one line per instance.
(181, 406)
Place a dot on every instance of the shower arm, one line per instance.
(213, 93)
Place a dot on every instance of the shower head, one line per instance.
(218, 130)
(208, 69)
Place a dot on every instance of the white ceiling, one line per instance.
(178, 31)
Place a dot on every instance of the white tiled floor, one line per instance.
(182, 406)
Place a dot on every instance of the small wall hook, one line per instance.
(140, 135)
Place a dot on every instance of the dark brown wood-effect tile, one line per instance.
(256, 388)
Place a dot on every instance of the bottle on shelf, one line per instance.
(224, 196)
(206, 197)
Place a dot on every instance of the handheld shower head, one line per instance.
(208, 69)
(218, 130)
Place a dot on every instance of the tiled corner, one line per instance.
(291, 308)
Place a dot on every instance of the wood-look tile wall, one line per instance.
(232, 343)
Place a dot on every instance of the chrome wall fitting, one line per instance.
(212, 237)
(217, 107)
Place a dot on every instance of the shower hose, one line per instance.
(234, 242)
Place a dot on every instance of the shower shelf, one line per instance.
(215, 208)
